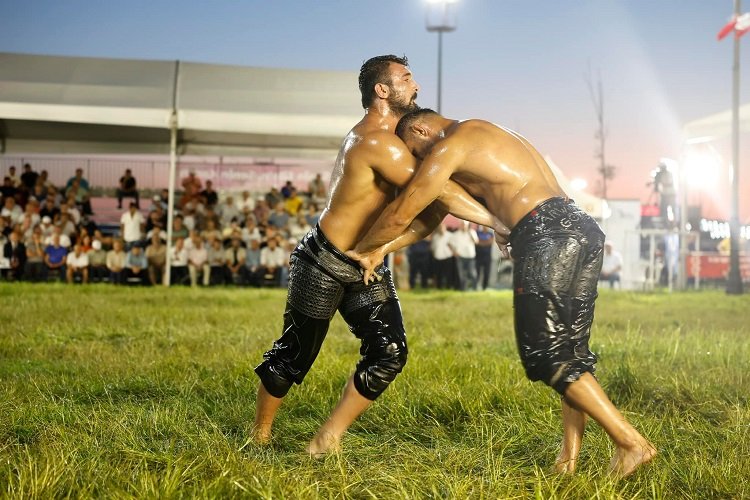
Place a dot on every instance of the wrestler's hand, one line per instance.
(503, 244)
(368, 262)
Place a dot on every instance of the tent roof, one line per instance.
(717, 125)
(92, 105)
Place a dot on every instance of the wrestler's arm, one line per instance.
(390, 157)
(421, 227)
(424, 188)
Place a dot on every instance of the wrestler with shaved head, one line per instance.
(557, 254)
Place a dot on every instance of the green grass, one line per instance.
(130, 393)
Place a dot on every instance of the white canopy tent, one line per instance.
(90, 105)
(716, 125)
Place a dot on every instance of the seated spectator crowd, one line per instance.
(47, 233)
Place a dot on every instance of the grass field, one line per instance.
(117, 392)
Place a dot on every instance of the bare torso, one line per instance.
(501, 167)
(357, 192)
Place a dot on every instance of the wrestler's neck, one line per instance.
(380, 115)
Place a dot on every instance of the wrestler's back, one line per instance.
(356, 197)
(505, 169)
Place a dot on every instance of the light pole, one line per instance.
(734, 280)
(441, 19)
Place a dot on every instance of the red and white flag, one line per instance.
(739, 24)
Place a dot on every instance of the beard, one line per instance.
(401, 104)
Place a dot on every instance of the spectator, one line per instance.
(419, 257)
(313, 214)
(8, 190)
(318, 190)
(156, 255)
(246, 204)
(611, 265)
(192, 184)
(250, 231)
(14, 179)
(156, 219)
(198, 261)
(136, 266)
(286, 190)
(179, 263)
(14, 251)
(46, 228)
(272, 259)
(210, 233)
(63, 239)
(78, 196)
(279, 218)
(299, 227)
(486, 240)
(70, 208)
(11, 211)
(131, 226)
(116, 263)
(293, 202)
(77, 265)
(98, 271)
(261, 211)
(39, 193)
(235, 257)
(273, 197)
(210, 197)
(67, 227)
(54, 258)
(289, 246)
(28, 178)
(442, 257)
(44, 180)
(82, 182)
(252, 263)
(217, 271)
(463, 243)
(128, 189)
(34, 270)
(179, 231)
(229, 212)
(49, 209)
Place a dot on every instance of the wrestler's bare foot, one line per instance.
(565, 462)
(627, 460)
(261, 434)
(323, 443)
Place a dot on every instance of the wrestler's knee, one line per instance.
(383, 358)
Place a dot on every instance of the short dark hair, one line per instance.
(373, 71)
(408, 120)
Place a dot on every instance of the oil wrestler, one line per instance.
(322, 280)
(557, 252)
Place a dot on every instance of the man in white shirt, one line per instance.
(272, 259)
(198, 261)
(131, 226)
(611, 265)
(442, 256)
(77, 263)
(464, 245)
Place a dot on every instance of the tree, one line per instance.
(607, 172)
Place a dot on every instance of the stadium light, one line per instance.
(579, 184)
(440, 19)
(701, 168)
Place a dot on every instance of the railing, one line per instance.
(153, 174)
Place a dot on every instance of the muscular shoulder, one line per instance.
(378, 148)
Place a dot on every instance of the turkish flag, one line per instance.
(742, 25)
(739, 24)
